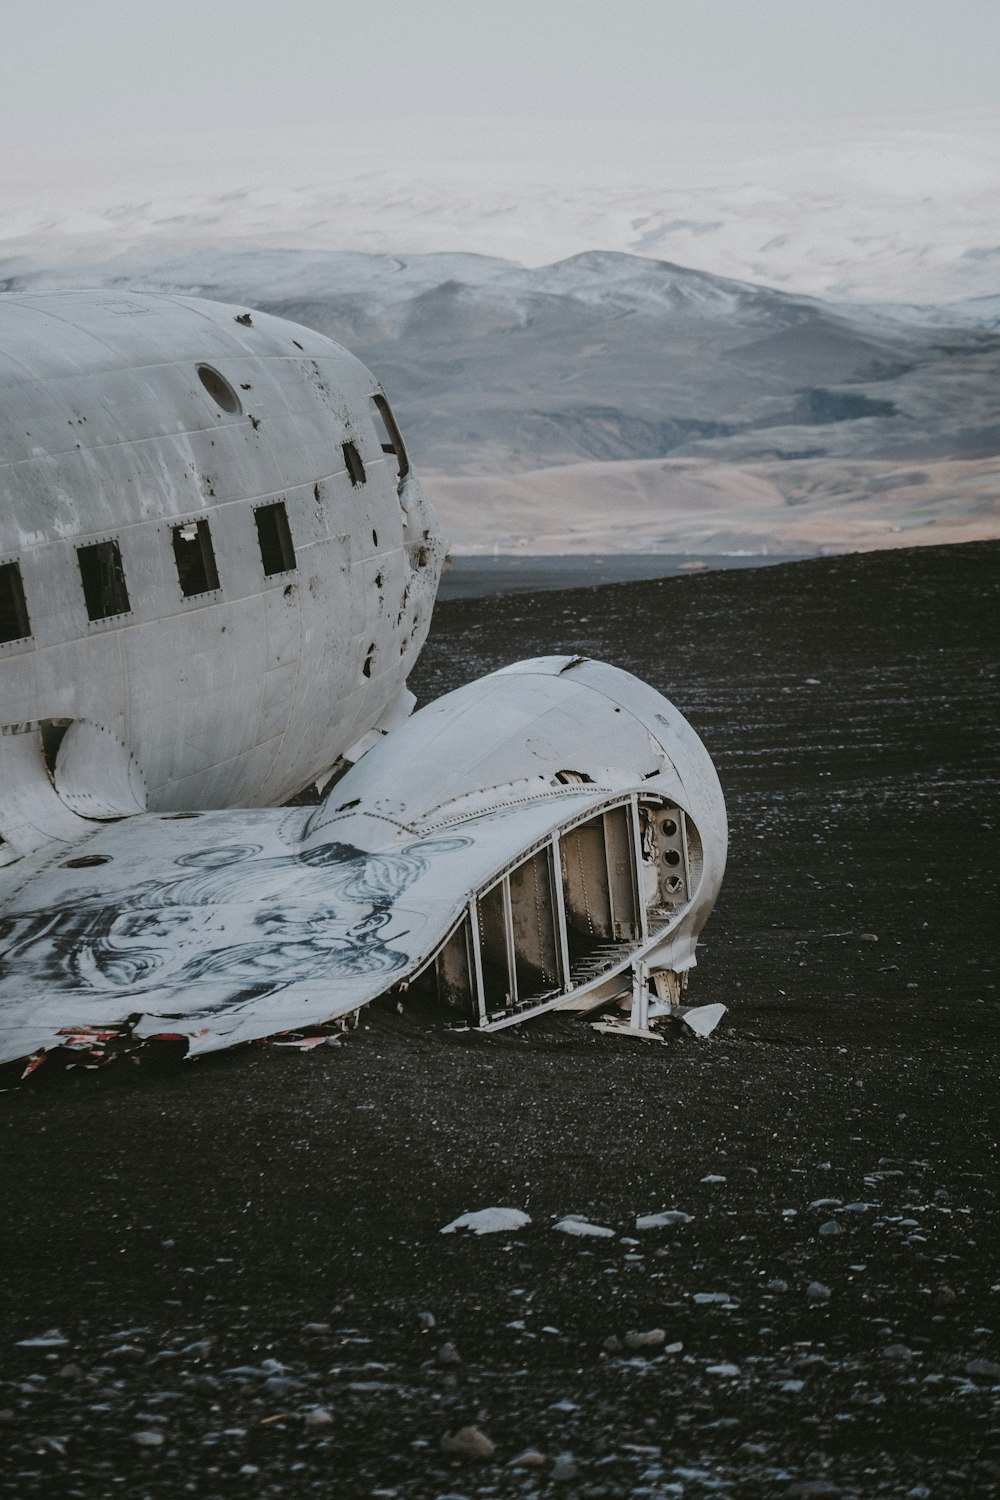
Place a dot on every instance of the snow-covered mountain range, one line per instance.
(602, 337)
(888, 209)
(614, 402)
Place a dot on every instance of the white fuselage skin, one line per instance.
(216, 571)
(114, 427)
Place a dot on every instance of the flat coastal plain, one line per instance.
(242, 1260)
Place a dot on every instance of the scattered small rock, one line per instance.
(280, 1385)
(830, 1228)
(448, 1355)
(650, 1338)
(52, 1339)
(529, 1459)
(573, 1224)
(148, 1439)
(318, 1416)
(468, 1442)
(489, 1221)
(897, 1352)
(564, 1468)
(665, 1220)
(817, 1292)
(987, 1367)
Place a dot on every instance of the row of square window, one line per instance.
(102, 573)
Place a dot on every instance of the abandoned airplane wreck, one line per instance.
(216, 569)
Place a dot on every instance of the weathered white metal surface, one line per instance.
(32, 814)
(126, 415)
(228, 925)
(216, 569)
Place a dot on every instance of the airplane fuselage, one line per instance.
(212, 548)
(216, 571)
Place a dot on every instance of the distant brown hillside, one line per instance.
(698, 505)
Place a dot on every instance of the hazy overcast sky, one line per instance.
(72, 70)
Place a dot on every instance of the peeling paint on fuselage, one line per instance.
(242, 695)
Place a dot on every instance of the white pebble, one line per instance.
(572, 1224)
(665, 1220)
(489, 1221)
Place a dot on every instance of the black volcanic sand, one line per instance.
(226, 1248)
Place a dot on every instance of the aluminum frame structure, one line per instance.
(620, 933)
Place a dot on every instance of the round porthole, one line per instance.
(219, 389)
(84, 861)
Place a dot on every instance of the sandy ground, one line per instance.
(243, 1259)
(807, 506)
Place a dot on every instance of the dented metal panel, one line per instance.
(235, 924)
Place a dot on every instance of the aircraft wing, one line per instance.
(520, 845)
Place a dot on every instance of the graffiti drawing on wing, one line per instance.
(225, 914)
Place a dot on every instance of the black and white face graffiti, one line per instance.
(229, 916)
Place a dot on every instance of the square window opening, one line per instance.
(355, 464)
(195, 558)
(103, 578)
(276, 551)
(14, 622)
